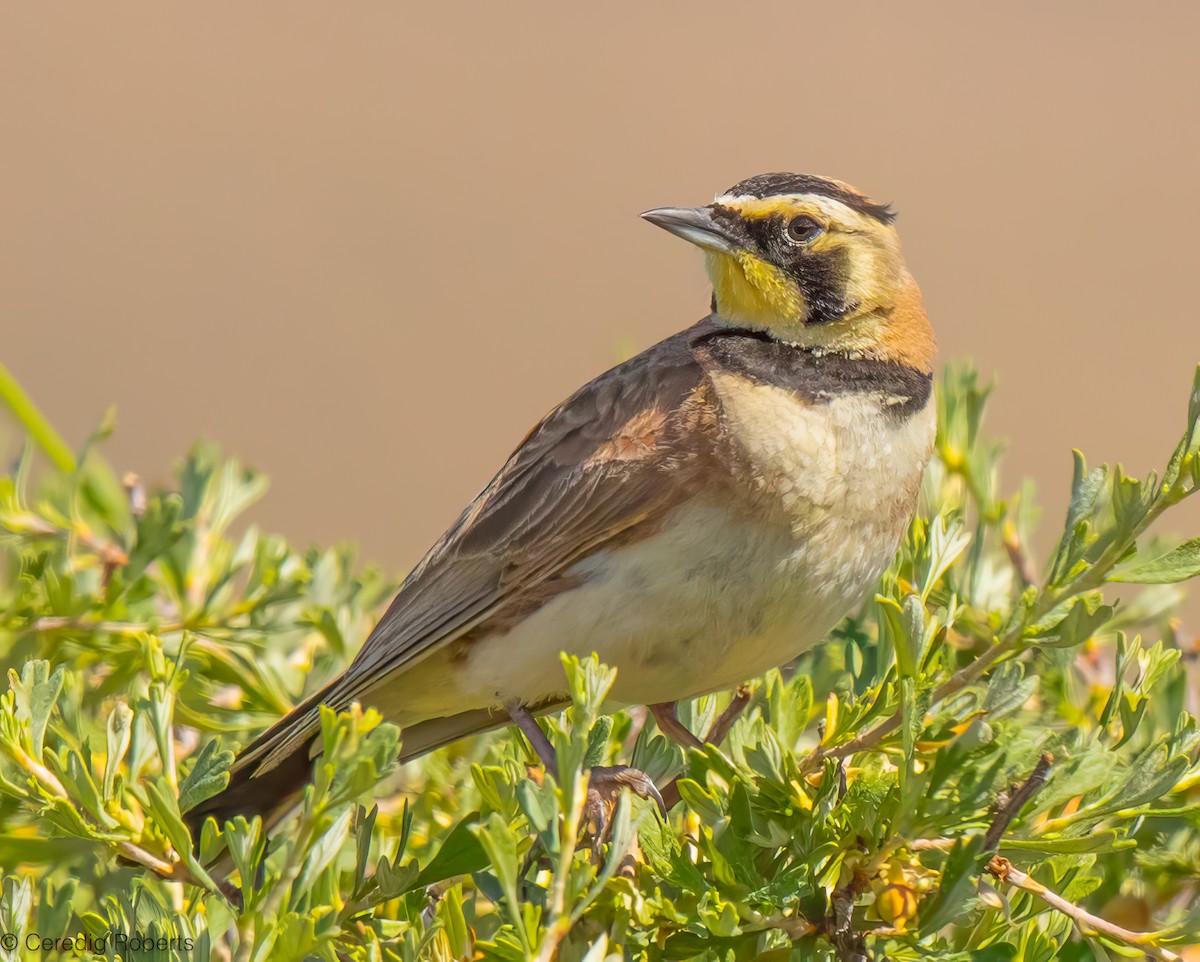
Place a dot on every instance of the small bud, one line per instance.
(897, 905)
(135, 490)
(896, 902)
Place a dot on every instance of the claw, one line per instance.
(636, 781)
(604, 789)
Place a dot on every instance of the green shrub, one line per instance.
(988, 762)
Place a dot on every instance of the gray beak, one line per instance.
(695, 224)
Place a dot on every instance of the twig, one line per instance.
(1006, 812)
(175, 871)
(1003, 871)
(1012, 807)
(39, 771)
(793, 926)
(849, 945)
(66, 623)
(1021, 561)
(50, 784)
(559, 922)
(110, 553)
(940, 844)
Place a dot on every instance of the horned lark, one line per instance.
(697, 515)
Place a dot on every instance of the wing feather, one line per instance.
(552, 504)
(617, 454)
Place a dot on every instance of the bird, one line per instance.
(697, 515)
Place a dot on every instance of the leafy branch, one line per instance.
(849, 804)
(1004, 871)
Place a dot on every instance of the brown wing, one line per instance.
(611, 456)
(617, 454)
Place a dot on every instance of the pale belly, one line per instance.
(709, 602)
(720, 593)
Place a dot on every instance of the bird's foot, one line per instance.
(605, 782)
(605, 785)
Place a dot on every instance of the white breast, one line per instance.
(724, 592)
(845, 473)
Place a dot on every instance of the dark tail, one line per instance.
(261, 787)
(272, 792)
(270, 795)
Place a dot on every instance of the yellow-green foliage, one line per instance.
(873, 800)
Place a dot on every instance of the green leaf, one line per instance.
(1085, 490)
(891, 615)
(450, 911)
(1193, 411)
(208, 775)
(78, 781)
(500, 842)
(37, 690)
(1097, 840)
(395, 879)
(323, 851)
(460, 854)
(699, 801)
(948, 538)
(597, 746)
(16, 901)
(1007, 690)
(1176, 565)
(1084, 618)
(120, 724)
(165, 810)
(247, 846)
(35, 422)
(538, 804)
(364, 829)
(1151, 776)
(1000, 952)
(159, 527)
(956, 889)
(55, 906)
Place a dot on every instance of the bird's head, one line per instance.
(810, 261)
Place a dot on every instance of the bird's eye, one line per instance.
(803, 228)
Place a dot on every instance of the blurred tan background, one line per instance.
(365, 246)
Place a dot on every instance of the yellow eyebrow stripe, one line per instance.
(827, 210)
(755, 208)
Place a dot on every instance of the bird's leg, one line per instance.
(604, 782)
(666, 714)
(533, 731)
(720, 728)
